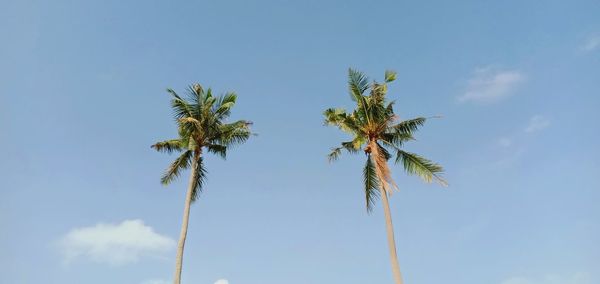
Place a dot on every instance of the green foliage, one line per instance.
(358, 83)
(371, 184)
(169, 146)
(417, 165)
(373, 123)
(335, 154)
(390, 76)
(182, 162)
(408, 126)
(202, 125)
(199, 178)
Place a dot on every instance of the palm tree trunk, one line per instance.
(390, 236)
(184, 224)
(383, 173)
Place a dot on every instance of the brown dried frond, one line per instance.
(381, 168)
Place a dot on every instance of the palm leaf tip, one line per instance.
(390, 76)
(197, 88)
(426, 169)
(334, 155)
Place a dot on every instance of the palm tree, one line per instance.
(202, 127)
(377, 131)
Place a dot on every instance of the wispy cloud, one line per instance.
(115, 244)
(488, 85)
(222, 281)
(537, 123)
(592, 43)
(576, 278)
(514, 145)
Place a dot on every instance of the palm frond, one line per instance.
(168, 146)
(209, 99)
(363, 110)
(180, 107)
(380, 156)
(334, 116)
(422, 167)
(371, 184)
(351, 146)
(342, 120)
(377, 97)
(335, 154)
(358, 83)
(396, 139)
(409, 126)
(182, 162)
(390, 76)
(224, 104)
(190, 125)
(195, 94)
(234, 133)
(217, 150)
(200, 178)
(384, 152)
(390, 108)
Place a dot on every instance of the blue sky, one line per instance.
(82, 98)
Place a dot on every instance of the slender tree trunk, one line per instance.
(184, 224)
(390, 236)
(382, 172)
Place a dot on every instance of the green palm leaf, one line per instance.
(358, 83)
(335, 154)
(180, 107)
(168, 146)
(181, 163)
(371, 184)
(417, 165)
(218, 150)
(200, 178)
(409, 126)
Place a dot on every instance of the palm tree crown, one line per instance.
(201, 125)
(377, 131)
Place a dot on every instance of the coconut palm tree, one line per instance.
(377, 131)
(202, 127)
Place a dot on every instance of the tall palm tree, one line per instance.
(377, 131)
(202, 127)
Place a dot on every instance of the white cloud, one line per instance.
(488, 85)
(537, 123)
(591, 44)
(222, 281)
(115, 244)
(576, 278)
(156, 281)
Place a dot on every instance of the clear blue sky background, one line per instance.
(82, 98)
